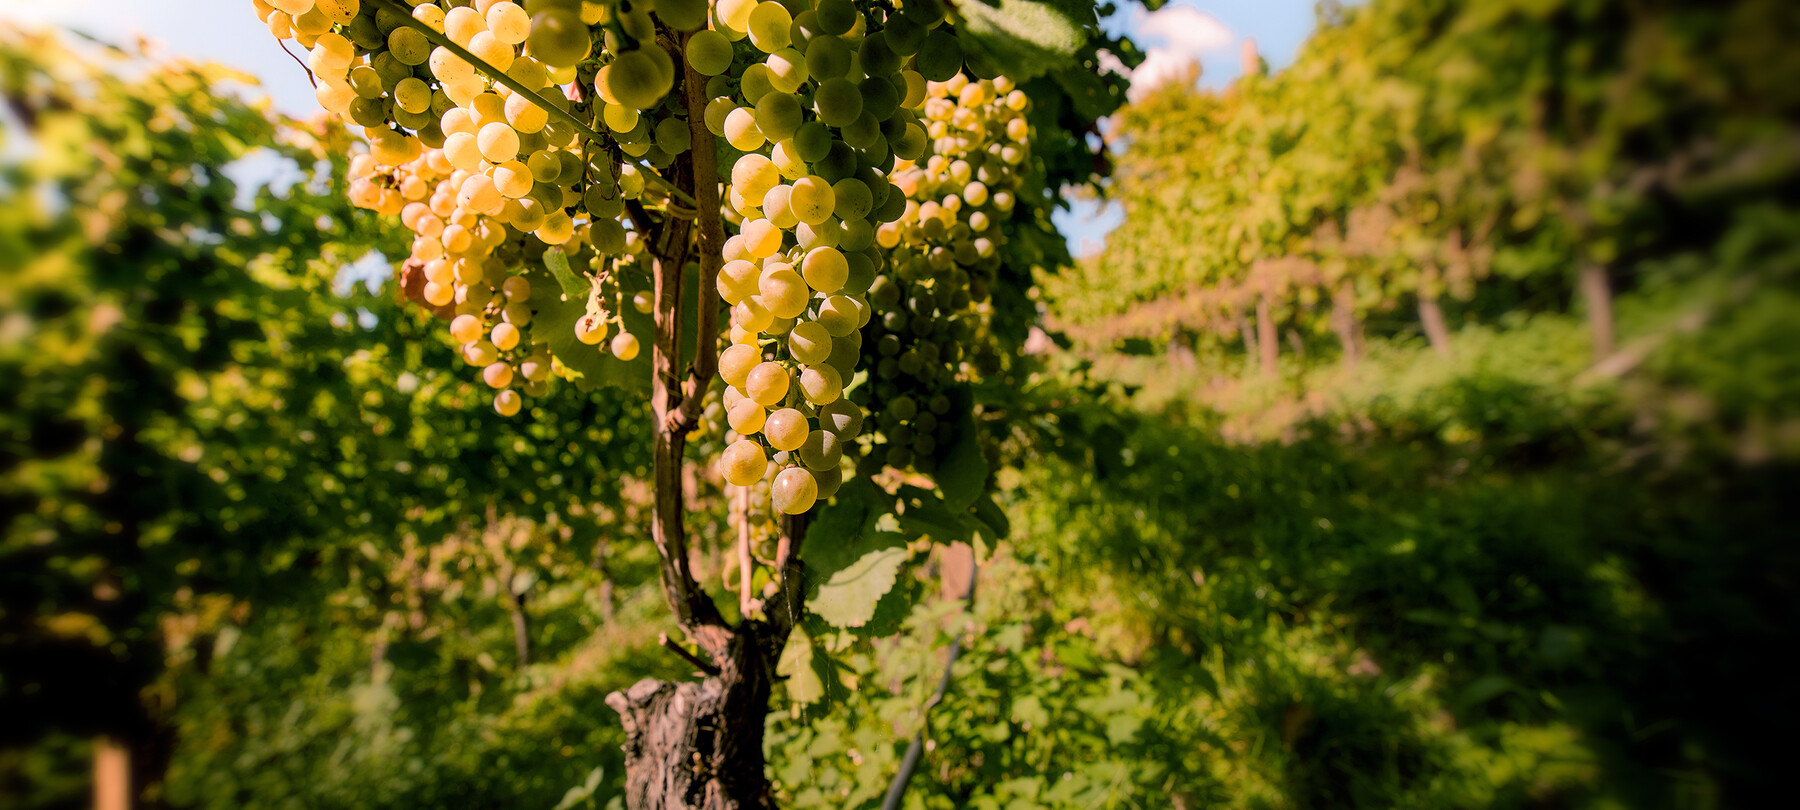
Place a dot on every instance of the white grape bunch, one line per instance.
(865, 174)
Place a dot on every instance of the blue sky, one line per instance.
(227, 31)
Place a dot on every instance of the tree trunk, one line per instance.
(1596, 293)
(1267, 341)
(1431, 315)
(699, 746)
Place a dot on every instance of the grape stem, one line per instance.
(437, 38)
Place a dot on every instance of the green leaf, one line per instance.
(1026, 38)
(962, 474)
(849, 598)
(809, 671)
(573, 286)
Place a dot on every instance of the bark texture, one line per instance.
(1431, 315)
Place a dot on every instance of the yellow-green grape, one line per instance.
(821, 384)
(558, 37)
(412, 95)
(637, 80)
(735, 14)
(768, 27)
(746, 417)
(478, 194)
(755, 83)
(535, 368)
(916, 89)
(333, 52)
(619, 118)
(409, 46)
(762, 238)
(480, 353)
(498, 142)
(809, 343)
(508, 22)
(776, 210)
(794, 491)
(545, 166)
(778, 115)
(767, 383)
(513, 179)
(786, 157)
(741, 130)
(524, 115)
(743, 463)
(709, 52)
(625, 346)
(843, 417)
(608, 236)
(462, 24)
(786, 70)
(486, 47)
(827, 58)
(682, 15)
(784, 292)
(738, 281)
(838, 102)
(822, 450)
(812, 200)
(507, 402)
(497, 375)
(854, 200)
(786, 429)
(558, 228)
(673, 135)
(337, 11)
(837, 313)
(516, 289)
(751, 314)
(516, 314)
(735, 363)
(643, 302)
(505, 336)
(717, 111)
(465, 329)
(752, 176)
(591, 329)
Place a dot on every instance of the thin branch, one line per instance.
(915, 750)
(282, 43)
(674, 647)
(405, 18)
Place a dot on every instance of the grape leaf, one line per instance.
(811, 674)
(963, 471)
(572, 285)
(1025, 38)
(850, 597)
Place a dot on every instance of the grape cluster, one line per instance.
(865, 180)
(944, 251)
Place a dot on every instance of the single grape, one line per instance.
(767, 383)
(625, 346)
(822, 450)
(809, 343)
(735, 364)
(786, 429)
(746, 416)
(743, 463)
(794, 491)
